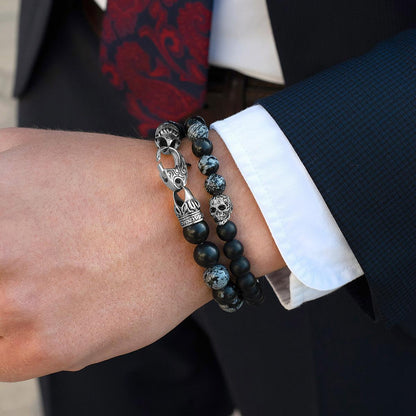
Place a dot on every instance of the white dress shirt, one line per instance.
(242, 39)
(317, 255)
(308, 238)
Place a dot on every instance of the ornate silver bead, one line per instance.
(220, 208)
(168, 136)
(174, 178)
(187, 210)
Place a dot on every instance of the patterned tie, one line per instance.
(156, 52)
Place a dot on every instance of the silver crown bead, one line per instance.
(188, 210)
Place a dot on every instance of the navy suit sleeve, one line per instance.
(354, 128)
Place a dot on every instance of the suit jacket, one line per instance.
(352, 124)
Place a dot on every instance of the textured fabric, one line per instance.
(302, 227)
(315, 35)
(241, 39)
(156, 52)
(354, 129)
(32, 27)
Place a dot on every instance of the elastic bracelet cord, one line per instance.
(220, 209)
(168, 138)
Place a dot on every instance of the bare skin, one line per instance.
(93, 263)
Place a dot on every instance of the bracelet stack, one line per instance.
(229, 296)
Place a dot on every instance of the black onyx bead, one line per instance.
(216, 277)
(251, 291)
(246, 282)
(215, 184)
(208, 164)
(234, 307)
(233, 249)
(193, 120)
(257, 299)
(227, 231)
(206, 254)
(227, 295)
(240, 266)
(196, 233)
(201, 147)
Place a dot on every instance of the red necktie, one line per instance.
(156, 52)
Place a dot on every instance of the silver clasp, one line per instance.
(174, 178)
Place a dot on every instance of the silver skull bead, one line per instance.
(168, 135)
(220, 207)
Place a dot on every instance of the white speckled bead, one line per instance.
(208, 164)
(232, 308)
(215, 184)
(216, 277)
(198, 131)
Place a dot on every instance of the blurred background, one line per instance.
(16, 399)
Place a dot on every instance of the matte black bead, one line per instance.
(201, 147)
(233, 249)
(251, 291)
(227, 295)
(215, 184)
(208, 164)
(196, 233)
(240, 266)
(193, 120)
(234, 307)
(257, 299)
(216, 277)
(246, 281)
(227, 231)
(206, 254)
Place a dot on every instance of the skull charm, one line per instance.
(220, 207)
(168, 135)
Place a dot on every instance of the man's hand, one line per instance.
(93, 263)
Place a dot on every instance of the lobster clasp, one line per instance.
(174, 178)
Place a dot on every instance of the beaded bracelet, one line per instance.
(220, 209)
(168, 137)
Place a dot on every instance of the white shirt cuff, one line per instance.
(309, 240)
